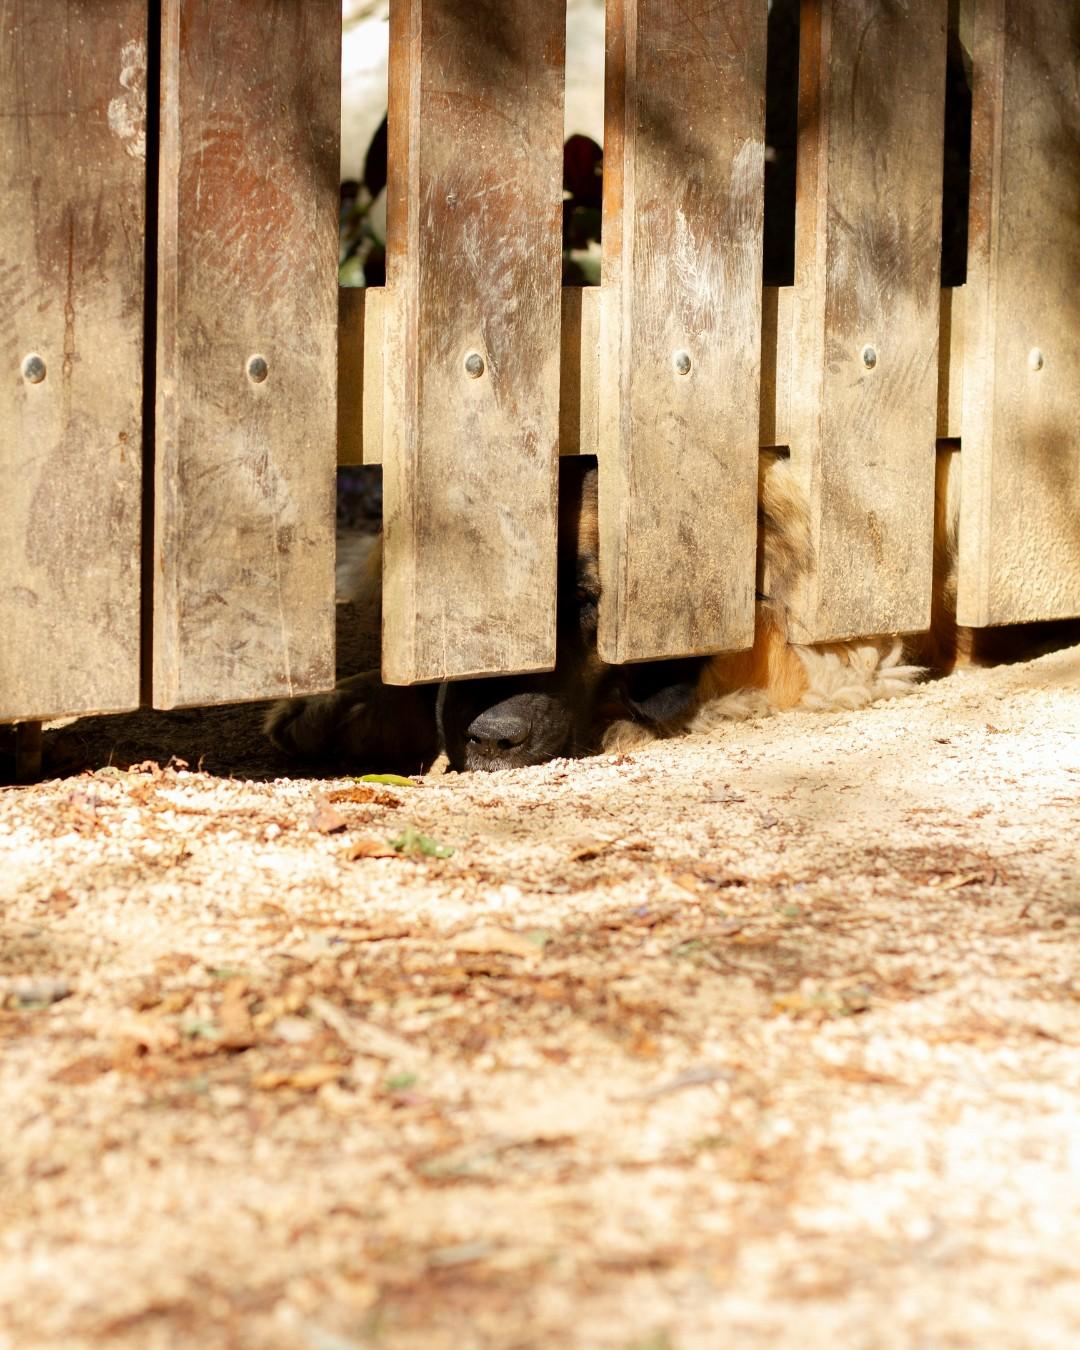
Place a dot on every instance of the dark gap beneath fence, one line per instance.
(149, 356)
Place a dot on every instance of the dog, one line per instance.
(584, 706)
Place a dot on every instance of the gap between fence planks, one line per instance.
(360, 348)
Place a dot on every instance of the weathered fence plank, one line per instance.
(680, 326)
(472, 337)
(1020, 497)
(361, 325)
(579, 395)
(247, 327)
(72, 201)
(865, 345)
(360, 340)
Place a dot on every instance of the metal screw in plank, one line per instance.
(869, 357)
(257, 368)
(33, 369)
(474, 365)
(681, 362)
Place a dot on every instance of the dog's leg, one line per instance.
(363, 722)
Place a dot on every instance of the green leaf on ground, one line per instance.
(400, 1082)
(412, 842)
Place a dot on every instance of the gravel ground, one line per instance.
(764, 1039)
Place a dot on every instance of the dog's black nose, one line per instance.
(497, 730)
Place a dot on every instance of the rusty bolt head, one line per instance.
(1035, 359)
(33, 369)
(257, 368)
(869, 357)
(474, 365)
(681, 361)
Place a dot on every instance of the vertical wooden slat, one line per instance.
(72, 204)
(578, 393)
(360, 374)
(683, 200)
(474, 265)
(1020, 496)
(867, 301)
(352, 431)
(244, 509)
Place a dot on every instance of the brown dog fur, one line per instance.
(362, 717)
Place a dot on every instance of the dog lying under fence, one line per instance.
(584, 706)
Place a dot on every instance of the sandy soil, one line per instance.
(768, 1039)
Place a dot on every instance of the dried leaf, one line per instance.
(150, 1034)
(964, 879)
(700, 1076)
(460, 1254)
(370, 848)
(302, 1080)
(586, 852)
(384, 934)
(492, 939)
(237, 1031)
(361, 795)
(363, 1038)
(325, 819)
(83, 1070)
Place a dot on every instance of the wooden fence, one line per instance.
(171, 412)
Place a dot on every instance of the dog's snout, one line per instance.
(497, 730)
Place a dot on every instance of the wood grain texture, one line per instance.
(360, 342)
(951, 362)
(1020, 496)
(352, 356)
(244, 485)
(867, 268)
(473, 265)
(361, 333)
(682, 241)
(72, 204)
(579, 394)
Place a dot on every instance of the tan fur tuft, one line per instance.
(787, 548)
(624, 735)
(853, 674)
